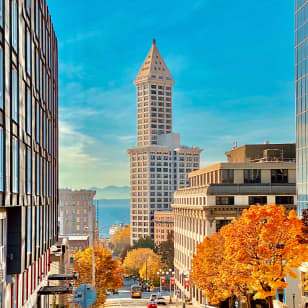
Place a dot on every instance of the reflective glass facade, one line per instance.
(301, 88)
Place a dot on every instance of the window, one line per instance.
(28, 6)
(38, 174)
(279, 175)
(29, 171)
(44, 131)
(28, 52)
(28, 111)
(224, 200)
(2, 159)
(38, 227)
(44, 83)
(252, 176)
(227, 176)
(37, 70)
(29, 229)
(15, 165)
(44, 37)
(37, 18)
(14, 24)
(253, 200)
(38, 122)
(1, 78)
(14, 95)
(44, 177)
(1, 18)
(284, 200)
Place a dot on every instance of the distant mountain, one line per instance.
(112, 192)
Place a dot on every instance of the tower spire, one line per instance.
(154, 68)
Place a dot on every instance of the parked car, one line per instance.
(151, 305)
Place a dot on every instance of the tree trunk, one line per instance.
(270, 301)
(248, 301)
(231, 301)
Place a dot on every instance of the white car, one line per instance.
(160, 301)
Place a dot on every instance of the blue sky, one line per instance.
(233, 63)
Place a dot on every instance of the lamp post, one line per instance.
(170, 274)
(186, 285)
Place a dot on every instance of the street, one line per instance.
(123, 299)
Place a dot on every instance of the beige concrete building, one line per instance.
(77, 213)
(159, 164)
(163, 224)
(220, 192)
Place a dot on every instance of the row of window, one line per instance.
(252, 200)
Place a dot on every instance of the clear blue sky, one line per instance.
(233, 63)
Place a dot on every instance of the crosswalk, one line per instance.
(111, 304)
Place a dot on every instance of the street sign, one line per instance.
(85, 296)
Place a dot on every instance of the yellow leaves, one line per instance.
(107, 271)
(253, 254)
(120, 240)
(135, 260)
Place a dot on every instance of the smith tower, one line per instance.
(158, 164)
(154, 99)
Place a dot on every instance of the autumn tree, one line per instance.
(266, 242)
(107, 271)
(135, 259)
(166, 250)
(149, 269)
(120, 241)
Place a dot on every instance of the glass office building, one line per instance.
(301, 88)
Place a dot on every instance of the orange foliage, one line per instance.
(107, 271)
(253, 254)
(120, 240)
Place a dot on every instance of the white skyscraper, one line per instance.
(159, 164)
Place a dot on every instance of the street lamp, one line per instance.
(169, 273)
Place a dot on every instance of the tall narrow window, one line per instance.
(37, 70)
(49, 136)
(15, 165)
(44, 83)
(1, 13)
(2, 159)
(14, 95)
(38, 173)
(37, 18)
(38, 123)
(44, 37)
(28, 7)
(29, 229)
(38, 226)
(45, 224)
(28, 52)
(44, 177)
(44, 131)
(14, 24)
(1, 77)
(29, 111)
(29, 171)
(49, 179)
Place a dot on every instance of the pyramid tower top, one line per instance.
(154, 68)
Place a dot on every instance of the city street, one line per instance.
(123, 299)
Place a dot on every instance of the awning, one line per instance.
(63, 277)
(49, 290)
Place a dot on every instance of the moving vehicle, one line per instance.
(160, 301)
(151, 305)
(153, 297)
(135, 291)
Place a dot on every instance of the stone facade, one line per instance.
(159, 164)
(163, 224)
(77, 213)
(217, 194)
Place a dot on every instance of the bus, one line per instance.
(135, 291)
